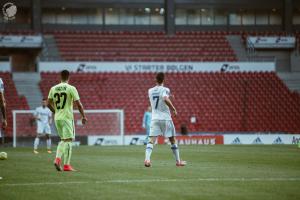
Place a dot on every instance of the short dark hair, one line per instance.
(44, 99)
(64, 75)
(160, 77)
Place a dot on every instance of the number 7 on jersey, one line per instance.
(157, 99)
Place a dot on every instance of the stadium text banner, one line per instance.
(261, 138)
(195, 139)
(157, 66)
(140, 139)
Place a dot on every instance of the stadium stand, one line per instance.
(13, 101)
(149, 46)
(143, 46)
(221, 102)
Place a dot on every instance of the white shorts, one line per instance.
(162, 127)
(43, 128)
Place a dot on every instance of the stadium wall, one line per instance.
(31, 13)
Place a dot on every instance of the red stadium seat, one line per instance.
(221, 102)
(143, 46)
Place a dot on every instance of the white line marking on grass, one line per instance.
(199, 180)
(44, 183)
(155, 180)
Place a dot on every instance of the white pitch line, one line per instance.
(199, 180)
(44, 183)
(155, 180)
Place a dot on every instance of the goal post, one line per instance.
(103, 122)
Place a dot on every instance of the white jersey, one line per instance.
(160, 110)
(1, 86)
(43, 114)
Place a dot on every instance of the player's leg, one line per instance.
(36, 143)
(60, 147)
(155, 130)
(59, 154)
(148, 151)
(170, 132)
(69, 135)
(68, 155)
(48, 141)
(175, 150)
(147, 135)
(48, 138)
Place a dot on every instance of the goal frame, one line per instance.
(120, 111)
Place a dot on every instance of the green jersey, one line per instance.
(63, 96)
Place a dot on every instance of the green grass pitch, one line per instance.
(213, 172)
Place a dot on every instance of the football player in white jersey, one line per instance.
(2, 105)
(43, 117)
(161, 121)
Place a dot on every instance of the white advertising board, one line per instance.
(156, 66)
(252, 139)
(116, 140)
(134, 139)
(271, 42)
(20, 41)
(104, 140)
(5, 67)
(261, 138)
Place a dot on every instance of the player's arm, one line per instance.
(50, 118)
(166, 97)
(79, 105)
(50, 105)
(3, 110)
(170, 104)
(36, 115)
(81, 110)
(50, 101)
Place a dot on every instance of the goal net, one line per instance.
(103, 127)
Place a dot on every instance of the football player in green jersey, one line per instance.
(60, 102)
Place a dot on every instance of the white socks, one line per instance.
(36, 143)
(175, 150)
(149, 149)
(49, 144)
(148, 152)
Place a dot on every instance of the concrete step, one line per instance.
(238, 47)
(291, 79)
(50, 50)
(289, 75)
(26, 76)
(27, 84)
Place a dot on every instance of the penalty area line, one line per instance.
(154, 180)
